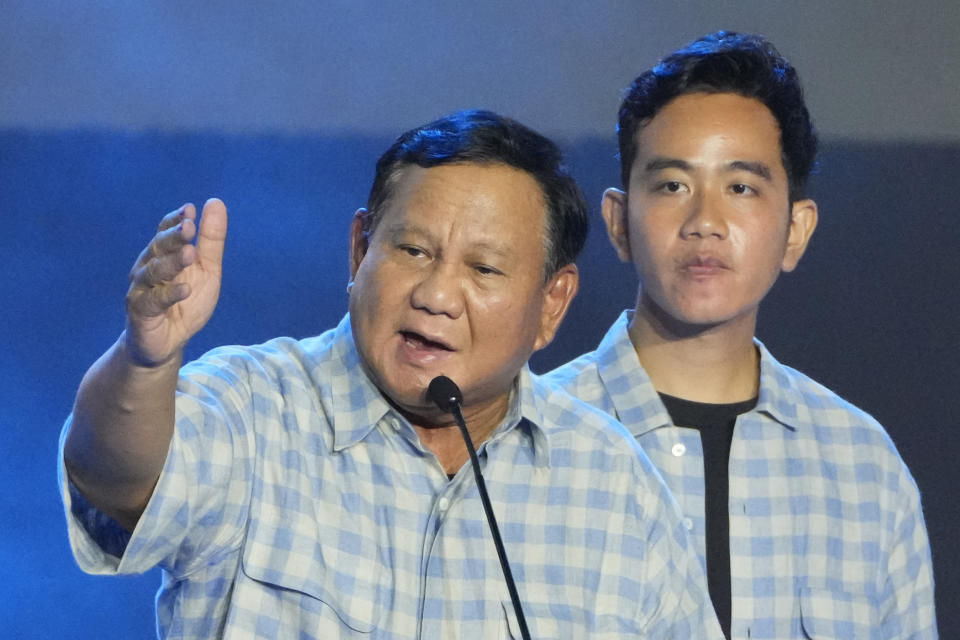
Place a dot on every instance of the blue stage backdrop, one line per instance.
(871, 312)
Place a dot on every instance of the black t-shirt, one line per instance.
(715, 423)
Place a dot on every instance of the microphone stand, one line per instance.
(445, 393)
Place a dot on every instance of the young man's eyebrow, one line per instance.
(757, 168)
(658, 164)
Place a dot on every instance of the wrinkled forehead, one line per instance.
(493, 193)
(488, 205)
(402, 176)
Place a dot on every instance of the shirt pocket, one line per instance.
(541, 623)
(509, 627)
(338, 566)
(827, 612)
(539, 627)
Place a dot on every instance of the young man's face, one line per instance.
(707, 220)
(451, 282)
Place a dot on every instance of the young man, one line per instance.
(311, 489)
(807, 520)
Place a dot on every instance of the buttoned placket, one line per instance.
(449, 494)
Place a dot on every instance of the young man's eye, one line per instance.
(669, 186)
(741, 189)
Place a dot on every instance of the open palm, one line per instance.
(175, 284)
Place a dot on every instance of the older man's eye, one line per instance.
(485, 270)
(412, 251)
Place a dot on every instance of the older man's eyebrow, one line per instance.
(757, 168)
(661, 163)
(403, 231)
(492, 247)
(424, 233)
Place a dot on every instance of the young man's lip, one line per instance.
(704, 262)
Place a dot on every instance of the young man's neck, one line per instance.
(718, 364)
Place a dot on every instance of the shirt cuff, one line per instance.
(103, 530)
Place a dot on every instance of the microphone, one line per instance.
(446, 395)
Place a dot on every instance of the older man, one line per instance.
(310, 489)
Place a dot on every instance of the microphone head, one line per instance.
(444, 393)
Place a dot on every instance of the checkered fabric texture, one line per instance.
(296, 503)
(827, 538)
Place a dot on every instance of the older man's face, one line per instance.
(451, 282)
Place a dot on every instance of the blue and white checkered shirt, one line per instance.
(296, 503)
(827, 538)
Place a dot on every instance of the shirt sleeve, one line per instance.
(908, 608)
(199, 507)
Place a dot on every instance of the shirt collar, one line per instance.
(526, 414)
(357, 405)
(637, 403)
(780, 393)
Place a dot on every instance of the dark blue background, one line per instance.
(871, 312)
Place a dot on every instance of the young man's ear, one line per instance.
(359, 240)
(558, 294)
(803, 221)
(614, 211)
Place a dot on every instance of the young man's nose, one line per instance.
(706, 217)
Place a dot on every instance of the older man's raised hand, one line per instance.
(174, 284)
(123, 416)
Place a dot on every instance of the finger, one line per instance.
(185, 212)
(154, 301)
(174, 238)
(163, 268)
(166, 242)
(212, 234)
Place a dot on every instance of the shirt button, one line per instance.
(688, 523)
(679, 449)
(443, 503)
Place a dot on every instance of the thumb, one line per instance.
(212, 233)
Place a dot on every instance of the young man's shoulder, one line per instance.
(797, 387)
(834, 422)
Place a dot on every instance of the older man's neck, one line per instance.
(446, 442)
(717, 364)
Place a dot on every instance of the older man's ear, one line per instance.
(558, 294)
(359, 241)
